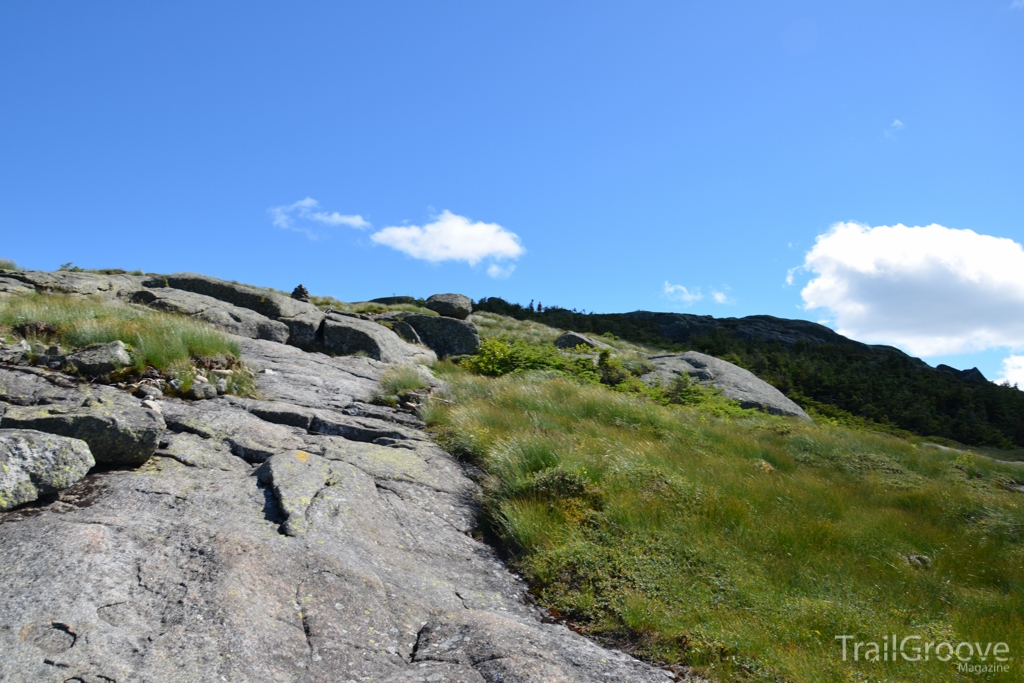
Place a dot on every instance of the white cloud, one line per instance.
(721, 296)
(930, 290)
(300, 215)
(897, 124)
(453, 238)
(1013, 368)
(500, 272)
(681, 293)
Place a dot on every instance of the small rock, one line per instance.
(33, 464)
(200, 378)
(300, 293)
(152, 405)
(101, 359)
(268, 371)
(222, 386)
(149, 392)
(456, 306)
(221, 373)
(175, 384)
(920, 561)
(200, 391)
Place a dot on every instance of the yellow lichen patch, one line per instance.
(301, 456)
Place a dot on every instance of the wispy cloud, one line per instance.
(931, 290)
(721, 296)
(1017, 4)
(451, 237)
(681, 293)
(304, 215)
(894, 127)
(500, 272)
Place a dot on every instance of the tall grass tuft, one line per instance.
(162, 340)
(8, 264)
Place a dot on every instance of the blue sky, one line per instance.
(603, 156)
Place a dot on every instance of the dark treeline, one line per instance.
(851, 383)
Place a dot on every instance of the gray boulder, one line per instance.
(100, 359)
(226, 316)
(455, 306)
(446, 336)
(347, 335)
(303, 319)
(570, 340)
(735, 382)
(33, 464)
(117, 427)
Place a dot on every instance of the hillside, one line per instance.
(824, 372)
(204, 480)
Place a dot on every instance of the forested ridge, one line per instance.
(826, 373)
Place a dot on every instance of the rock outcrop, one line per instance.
(303, 319)
(348, 335)
(735, 382)
(101, 359)
(456, 306)
(226, 316)
(34, 464)
(118, 428)
(307, 536)
(445, 336)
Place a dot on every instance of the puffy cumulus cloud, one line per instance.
(930, 290)
(1013, 371)
(681, 293)
(454, 238)
(304, 214)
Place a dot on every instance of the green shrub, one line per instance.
(8, 264)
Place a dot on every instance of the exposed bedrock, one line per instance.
(306, 536)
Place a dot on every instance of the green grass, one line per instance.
(173, 344)
(739, 543)
(8, 264)
(402, 378)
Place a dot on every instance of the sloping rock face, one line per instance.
(735, 382)
(226, 316)
(303, 319)
(305, 537)
(33, 464)
(348, 335)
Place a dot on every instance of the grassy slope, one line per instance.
(738, 545)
